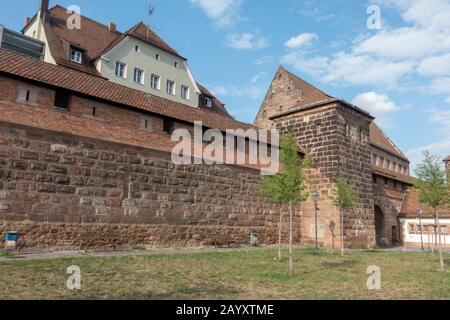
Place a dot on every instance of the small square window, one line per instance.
(170, 87)
(61, 100)
(185, 92)
(121, 70)
(76, 56)
(138, 76)
(175, 64)
(157, 56)
(137, 48)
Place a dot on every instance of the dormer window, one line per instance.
(76, 56)
(208, 102)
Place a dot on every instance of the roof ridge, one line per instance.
(390, 141)
(83, 16)
(306, 82)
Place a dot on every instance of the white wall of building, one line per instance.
(429, 239)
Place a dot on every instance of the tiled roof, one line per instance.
(392, 174)
(82, 83)
(311, 94)
(380, 140)
(143, 33)
(217, 104)
(93, 37)
(412, 202)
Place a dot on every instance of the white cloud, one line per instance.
(435, 66)
(441, 85)
(301, 40)
(264, 60)
(350, 68)
(257, 77)
(392, 56)
(251, 91)
(440, 148)
(246, 41)
(375, 103)
(222, 12)
(440, 120)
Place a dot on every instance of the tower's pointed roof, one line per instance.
(310, 93)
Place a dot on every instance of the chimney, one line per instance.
(43, 9)
(112, 27)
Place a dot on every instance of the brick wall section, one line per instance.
(336, 153)
(56, 187)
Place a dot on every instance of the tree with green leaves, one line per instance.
(433, 189)
(288, 187)
(344, 199)
(272, 190)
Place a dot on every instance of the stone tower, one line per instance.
(336, 134)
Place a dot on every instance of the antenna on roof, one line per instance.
(150, 11)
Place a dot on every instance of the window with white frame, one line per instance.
(121, 70)
(138, 76)
(208, 102)
(170, 87)
(137, 48)
(175, 64)
(155, 82)
(76, 56)
(157, 56)
(185, 92)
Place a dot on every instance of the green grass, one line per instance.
(252, 274)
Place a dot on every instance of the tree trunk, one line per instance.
(439, 232)
(342, 232)
(280, 229)
(291, 240)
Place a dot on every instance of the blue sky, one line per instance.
(400, 73)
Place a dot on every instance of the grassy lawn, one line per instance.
(231, 275)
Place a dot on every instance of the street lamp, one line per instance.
(315, 197)
(419, 214)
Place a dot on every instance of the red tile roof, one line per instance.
(392, 174)
(411, 203)
(94, 38)
(142, 32)
(217, 105)
(82, 83)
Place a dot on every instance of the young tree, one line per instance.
(272, 189)
(433, 189)
(344, 199)
(289, 185)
